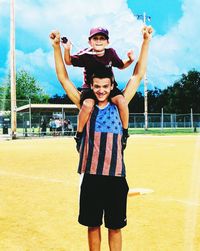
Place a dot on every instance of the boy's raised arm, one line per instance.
(128, 61)
(140, 67)
(61, 71)
(67, 53)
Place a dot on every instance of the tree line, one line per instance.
(178, 98)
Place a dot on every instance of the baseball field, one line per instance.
(39, 193)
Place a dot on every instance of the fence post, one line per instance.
(191, 118)
(175, 120)
(30, 126)
(162, 118)
(63, 118)
(171, 120)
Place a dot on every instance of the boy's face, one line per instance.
(102, 88)
(98, 42)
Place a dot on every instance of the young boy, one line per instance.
(98, 59)
(104, 187)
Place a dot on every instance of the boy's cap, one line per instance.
(99, 30)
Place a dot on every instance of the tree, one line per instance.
(183, 95)
(56, 99)
(154, 101)
(64, 99)
(136, 105)
(26, 88)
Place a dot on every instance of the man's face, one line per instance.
(98, 42)
(102, 88)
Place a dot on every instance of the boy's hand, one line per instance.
(55, 38)
(68, 45)
(130, 55)
(147, 32)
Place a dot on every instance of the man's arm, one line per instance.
(61, 71)
(140, 67)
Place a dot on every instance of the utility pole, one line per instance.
(12, 71)
(145, 18)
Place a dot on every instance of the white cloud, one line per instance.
(171, 55)
(177, 51)
(31, 60)
(74, 19)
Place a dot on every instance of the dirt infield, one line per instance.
(39, 195)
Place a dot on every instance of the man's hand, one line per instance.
(55, 38)
(130, 55)
(147, 32)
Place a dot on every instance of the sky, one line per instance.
(174, 48)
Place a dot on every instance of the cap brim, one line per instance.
(98, 33)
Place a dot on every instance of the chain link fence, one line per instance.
(59, 123)
(44, 123)
(159, 120)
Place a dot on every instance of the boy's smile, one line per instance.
(98, 43)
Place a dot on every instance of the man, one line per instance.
(104, 188)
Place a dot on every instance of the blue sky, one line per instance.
(174, 48)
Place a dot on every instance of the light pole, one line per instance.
(145, 18)
(12, 71)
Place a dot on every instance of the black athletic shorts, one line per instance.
(103, 196)
(88, 93)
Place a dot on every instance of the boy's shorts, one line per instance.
(103, 196)
(87, 93)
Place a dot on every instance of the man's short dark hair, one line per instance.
(104, 74)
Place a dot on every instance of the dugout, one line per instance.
(30, 117)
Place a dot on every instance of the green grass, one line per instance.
(164, 131)
(151, 131)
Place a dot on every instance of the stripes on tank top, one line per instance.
(101, 149)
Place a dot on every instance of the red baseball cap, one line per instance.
(99, 30)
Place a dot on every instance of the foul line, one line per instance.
(194, 193)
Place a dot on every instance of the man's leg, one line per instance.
(94, 238)
(84, 113)
(115, 239)
(82, 120)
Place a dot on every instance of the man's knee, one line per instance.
(93, 229)
(114, 231)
